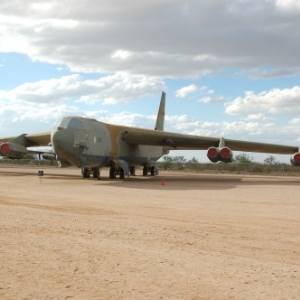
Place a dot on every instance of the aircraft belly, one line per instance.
(135, 161)
(94, 161)
(139, 155)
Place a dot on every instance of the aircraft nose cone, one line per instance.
(62, 138)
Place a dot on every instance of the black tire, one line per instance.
(112, 173)
(85, 172)
(152, 171)
(132, 170)
(122, 174)
(145, 171)
(96, 173)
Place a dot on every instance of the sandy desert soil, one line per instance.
(196, 237)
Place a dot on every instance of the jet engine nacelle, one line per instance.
(213, 154)
(295, 159)
(11, 150)
(49, 156)
(224, 154)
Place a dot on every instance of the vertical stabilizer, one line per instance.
(160, 120)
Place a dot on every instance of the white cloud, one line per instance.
(295, 121)
(113, 89)
(40, 7)
(36, 104)
(185, 91)
(251, 131)
(243, 130)
(136, 44)
(195, 38)
(259, 117)
(121, 54)
(288, 5)
(130, 119)
(209, 99)
(275, 101)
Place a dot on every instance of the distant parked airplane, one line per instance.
(92, 145)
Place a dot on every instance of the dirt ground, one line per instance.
(196, 237)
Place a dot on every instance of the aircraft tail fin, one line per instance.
(160, 119)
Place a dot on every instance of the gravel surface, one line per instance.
(198, 236)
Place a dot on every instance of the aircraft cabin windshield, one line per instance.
(72, 122)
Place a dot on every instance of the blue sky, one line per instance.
(229, 68)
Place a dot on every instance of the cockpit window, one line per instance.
(63, 123)
(72, 123)
(84, 125)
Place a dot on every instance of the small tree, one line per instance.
(167, 162)
(243, 158)
(29, 156)
(194, 160)
(193, 163)
(270, 160)
(179, 161)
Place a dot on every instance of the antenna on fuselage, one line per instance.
(160, 119)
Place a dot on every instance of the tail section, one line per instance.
(160, 119)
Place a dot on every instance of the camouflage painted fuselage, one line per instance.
(89, 143)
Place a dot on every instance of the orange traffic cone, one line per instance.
(162, 182)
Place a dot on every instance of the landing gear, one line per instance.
(86, 172)
(113, 172)
(122, 174)
(132, 170)
(96, 173)
(145, 171)
(152, 170)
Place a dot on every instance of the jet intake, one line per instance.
(11, 150)
(295, 159)
(226, 155)
(223, 154)
(213, 154)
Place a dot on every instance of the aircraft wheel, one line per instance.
(85, 172)
(112, 173)
(122, 174)
(145, 171)
(96, 173)
(132, 170)
(152, 171)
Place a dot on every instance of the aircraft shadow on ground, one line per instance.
(169, 181)
(203, 182)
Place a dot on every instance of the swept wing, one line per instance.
(36, 139)
(176, 141)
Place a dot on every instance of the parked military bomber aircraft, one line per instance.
(91, 145)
